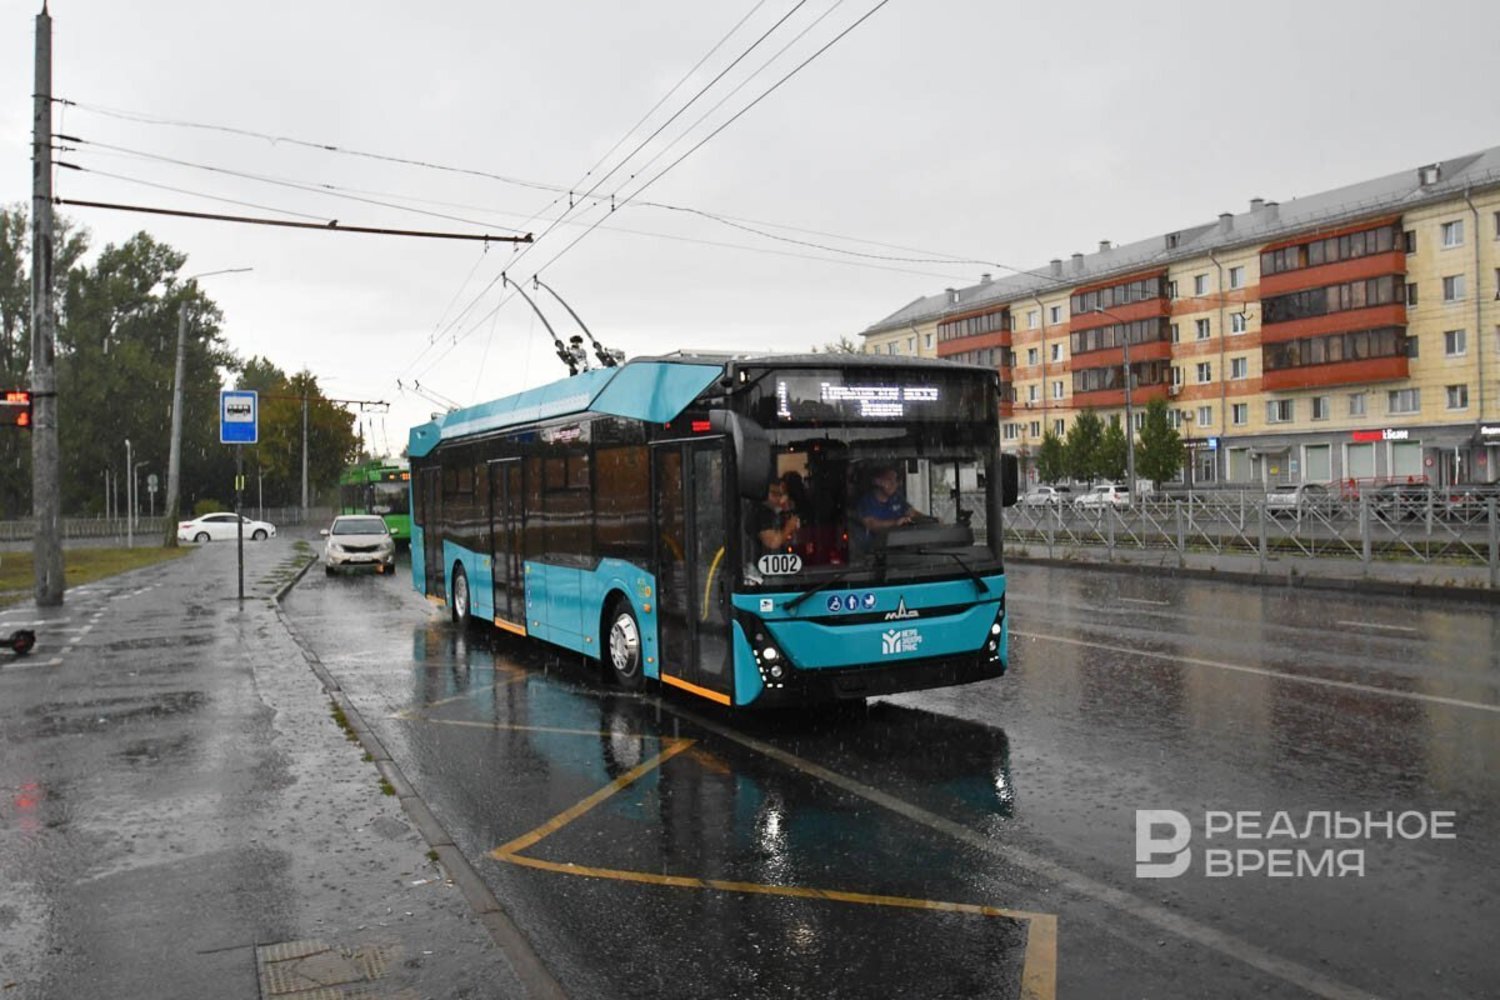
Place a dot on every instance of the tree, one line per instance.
(331, 442)
(841, 346)
(1051, 459)
(1112, 454)
(1081, 447)
(1160, 454)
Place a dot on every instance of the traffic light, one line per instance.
(15, 408)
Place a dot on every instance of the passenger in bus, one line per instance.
(883, 507)
(776, 521)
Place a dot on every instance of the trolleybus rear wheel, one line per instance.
(624, 646)
(460, 596)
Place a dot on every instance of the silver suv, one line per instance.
(1103, 495)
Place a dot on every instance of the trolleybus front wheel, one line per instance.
(625, 646)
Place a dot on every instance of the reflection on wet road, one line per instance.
(922, 845)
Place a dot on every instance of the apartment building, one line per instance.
(1348, 335)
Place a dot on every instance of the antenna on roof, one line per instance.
(607, 358)
(575, 360)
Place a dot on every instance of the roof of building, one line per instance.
(1264, 223)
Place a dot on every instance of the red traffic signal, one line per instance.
(15, 408)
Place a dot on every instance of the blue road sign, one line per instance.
(239, 416)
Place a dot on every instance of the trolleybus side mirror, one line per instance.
(1010, 480)
(752, 451)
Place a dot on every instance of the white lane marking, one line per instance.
(1142, 600)
(1262, 672)
(1391, 628)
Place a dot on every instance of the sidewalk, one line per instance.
(183, 817)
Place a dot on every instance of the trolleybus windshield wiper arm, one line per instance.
(984, 588)
(837, 578)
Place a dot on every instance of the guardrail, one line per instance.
(1369, 527)
(145, 529)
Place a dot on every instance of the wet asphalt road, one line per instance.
(928, 845)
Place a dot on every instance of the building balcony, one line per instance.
(1347, 321)
(1387, 369)
(1106, 399)
(1337, 273)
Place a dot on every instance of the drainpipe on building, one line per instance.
(1223, 381)
(1478, 306)
(1041, 312)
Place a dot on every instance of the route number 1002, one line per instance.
(780, 564)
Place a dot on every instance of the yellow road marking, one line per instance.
(1039, 965)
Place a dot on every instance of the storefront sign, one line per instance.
(1387, 434)
(1489, 432)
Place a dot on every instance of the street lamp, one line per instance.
(1187, 418)
(174, 455)
(1129, 409)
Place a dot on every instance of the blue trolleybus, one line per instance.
(758, 531)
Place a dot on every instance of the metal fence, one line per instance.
(145, 529)
(1365, 528)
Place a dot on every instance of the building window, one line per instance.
(891, 348)
(1201, 329)
(1176, 336)
(1239, 368)
(1497, 225)
(1403, 401)
(1205, 416)
(1412, 350)
(1240, 414)
(911, 345)
(1453, 288)
(1059, 427)
(1358, 401)
(1238, 323)
(1057, 389)
(1453, 233)
(1172, 285)
(1455, 344)
(1031, 319)
(1280, 411)
(1320, 408)
(1010, 432)
(1054, 314)
(1056, 352)
(927, 341)
(1458, 397)
(1411, 241)
(1036, 428)
(1236, 277)
(1032, 355)
(1032, 393)
(1205, 371)
(1200, 284)
(1411, 293)
(1176, 375)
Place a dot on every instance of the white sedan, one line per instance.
(359, 540)
(221, 528)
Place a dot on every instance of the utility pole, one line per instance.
(46, 490)
(304, 454)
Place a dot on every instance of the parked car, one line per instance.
(1404, 501)
(1047, 496)
(358, 540)
(221, 528)
(1297, 499)
(1103, 495)
(1470, 501)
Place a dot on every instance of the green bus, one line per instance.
(376, 488)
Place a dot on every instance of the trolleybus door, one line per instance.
(506, 560)
(691, 580)
(432, 535)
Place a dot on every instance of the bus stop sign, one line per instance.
(239, 416)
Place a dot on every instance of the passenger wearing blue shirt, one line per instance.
(883, 508)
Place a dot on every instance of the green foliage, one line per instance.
(1112, 455)
(207, 505)
(1051, 459)
(1160, 453)
(844, 345)
(1081, 447)
(331, 440)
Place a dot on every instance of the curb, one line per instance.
(486, 907)
(1338, 584)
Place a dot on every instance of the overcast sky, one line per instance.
(971, 130)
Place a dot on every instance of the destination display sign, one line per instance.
(939, 397)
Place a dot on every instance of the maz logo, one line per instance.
(902, 611)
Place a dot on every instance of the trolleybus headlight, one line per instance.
(776, 671)
(769, 654)
(995, 629)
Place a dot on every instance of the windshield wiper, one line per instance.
(984, 588)
(837, 578)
